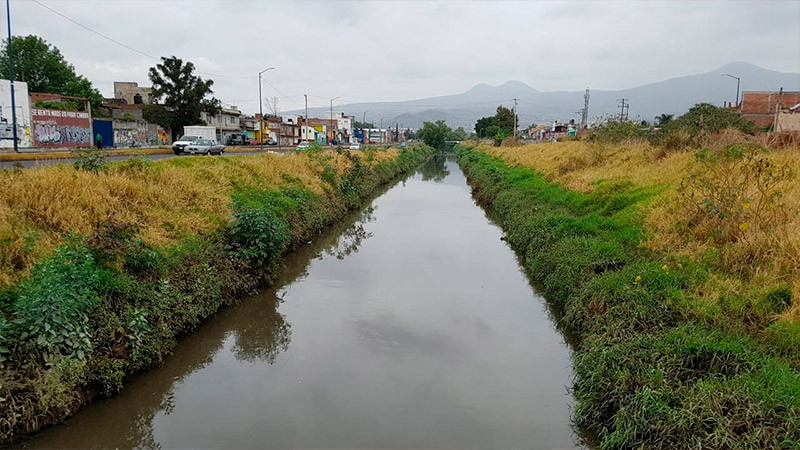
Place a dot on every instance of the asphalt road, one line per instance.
(49, 162)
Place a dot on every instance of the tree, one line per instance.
(434, 133)
(504, 119)
(707, 118)
(44, 68)
(358, 124)
(272, 105)
(184, 94)
(501, 123)
(459, 134)
(663, 119)
(482, 124)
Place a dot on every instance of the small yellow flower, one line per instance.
(638, 278)
(744, 226)
(680, 266)
(745, 205)
(664, 267)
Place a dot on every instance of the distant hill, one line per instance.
(672, 96)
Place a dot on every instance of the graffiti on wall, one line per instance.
(164, 137)
(142, 135)
(23, 115)
(130, 138)
(56, 128)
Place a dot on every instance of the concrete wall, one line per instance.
(127, 91)
(56, 128)
(24, 138)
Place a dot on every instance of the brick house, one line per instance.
(760, 107)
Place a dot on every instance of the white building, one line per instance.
(23, 104)
(227, 122)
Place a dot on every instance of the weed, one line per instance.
(91, 160)
(53, 305)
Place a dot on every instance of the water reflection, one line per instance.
(435, 169)
(353, 237)
(417, 330)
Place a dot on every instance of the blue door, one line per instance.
(106, 130)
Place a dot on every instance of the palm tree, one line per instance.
(663, 119)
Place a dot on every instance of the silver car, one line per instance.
(205, 147)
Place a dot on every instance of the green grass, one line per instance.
(651, 370)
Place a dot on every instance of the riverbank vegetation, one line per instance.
(102, 270)
(676, 265)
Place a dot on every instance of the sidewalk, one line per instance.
(30, 154)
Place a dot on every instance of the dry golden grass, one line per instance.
(747, 268)
(169, 199)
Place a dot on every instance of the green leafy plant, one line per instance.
(53, 306)
(89, 160)
(260, 235)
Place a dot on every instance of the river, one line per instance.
(408, 325)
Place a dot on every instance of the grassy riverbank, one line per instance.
(676, 270)
(102, 271)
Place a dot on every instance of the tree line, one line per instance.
(180, 95)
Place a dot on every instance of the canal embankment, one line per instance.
(676, 349)
(409, 324)
(104, 267)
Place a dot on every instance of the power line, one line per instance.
(108, 38)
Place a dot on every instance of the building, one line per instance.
(761, 107)
(227, 122)
(132, 93)
(789, 119)
(23, 109)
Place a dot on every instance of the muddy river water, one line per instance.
(409, 325)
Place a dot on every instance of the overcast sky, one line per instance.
(377, 51)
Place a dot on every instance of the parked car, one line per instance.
(205, 147)
(303, 145)
(180, 145)
(271, 142)
(355, 146)
(237, 139)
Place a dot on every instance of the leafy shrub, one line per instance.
(260, 235)
(63, 105)
(53, 307)
(707, 118)
(137, 328)
(614, 132)
(90, 160)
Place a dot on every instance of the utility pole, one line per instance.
(332, 131)
(515, 117)
(777, 111)
(11, 79)
(305, 119)
(624, 103)
(585, 110)
(261, 113)
(737, 86)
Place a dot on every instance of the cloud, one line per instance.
(405, 50)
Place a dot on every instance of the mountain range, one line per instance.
(671, 96)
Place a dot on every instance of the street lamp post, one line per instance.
(364, 126)
(332, 131)
(11, 80)
(738, 80)
(261, 112)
